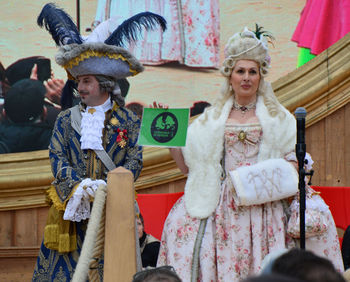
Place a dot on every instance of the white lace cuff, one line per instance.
(78, 206)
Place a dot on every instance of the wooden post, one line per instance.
(120, 245)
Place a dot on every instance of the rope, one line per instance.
(98, 250)
(196, 250)
(97, 212)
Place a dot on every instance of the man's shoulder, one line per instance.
(125, 113)
(65, 113)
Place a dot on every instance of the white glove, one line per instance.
(78, 206)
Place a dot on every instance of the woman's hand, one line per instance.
(156, 105)
(176, 153)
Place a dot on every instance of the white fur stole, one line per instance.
(204, 151)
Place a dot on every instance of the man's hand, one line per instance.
(53, 86)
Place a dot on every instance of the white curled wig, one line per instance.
(248, 45)
(110, 85)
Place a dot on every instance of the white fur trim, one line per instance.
(266, 181)
(203, 155)
(279, 132)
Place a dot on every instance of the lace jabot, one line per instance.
(92, 125)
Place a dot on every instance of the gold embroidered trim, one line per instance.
(91, 53)
(59, 234)
(56, 201)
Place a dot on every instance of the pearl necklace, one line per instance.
(244, 109)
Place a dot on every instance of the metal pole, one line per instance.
(302, 205)
(300, 151)
(78, 14)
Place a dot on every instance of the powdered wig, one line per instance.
(246, 46)
(110, 85)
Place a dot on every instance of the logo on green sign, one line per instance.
(164, 127)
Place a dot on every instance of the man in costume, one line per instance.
(88, 140)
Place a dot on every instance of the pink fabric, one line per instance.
(322, 23)
(200, 21)
(236, 239)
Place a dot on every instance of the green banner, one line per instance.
(164, 127)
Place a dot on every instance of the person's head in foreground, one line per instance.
(271, 277)
(159, 274)
(307, 266)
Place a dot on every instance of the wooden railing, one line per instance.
(120, 244)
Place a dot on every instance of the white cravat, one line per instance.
(92, 124)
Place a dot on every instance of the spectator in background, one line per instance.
(345, 248)
(39, 68)
(149, 245)
(136, 107)
(346, 275)
(23, 127)
(2, 83)
(307, 266)
(198, 107)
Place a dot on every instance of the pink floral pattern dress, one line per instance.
(236, 239)
(192, 37)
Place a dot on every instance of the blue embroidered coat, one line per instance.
(70, 165)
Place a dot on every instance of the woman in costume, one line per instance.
(234, 210)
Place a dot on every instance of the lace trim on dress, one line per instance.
(243, 139)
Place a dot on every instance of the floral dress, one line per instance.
(191, 38)
(236, 239)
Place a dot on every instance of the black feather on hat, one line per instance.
(97, 58)
(60, 25)
(130, 29)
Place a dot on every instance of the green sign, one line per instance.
(164, 127)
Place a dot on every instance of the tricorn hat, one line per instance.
(109, 58)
